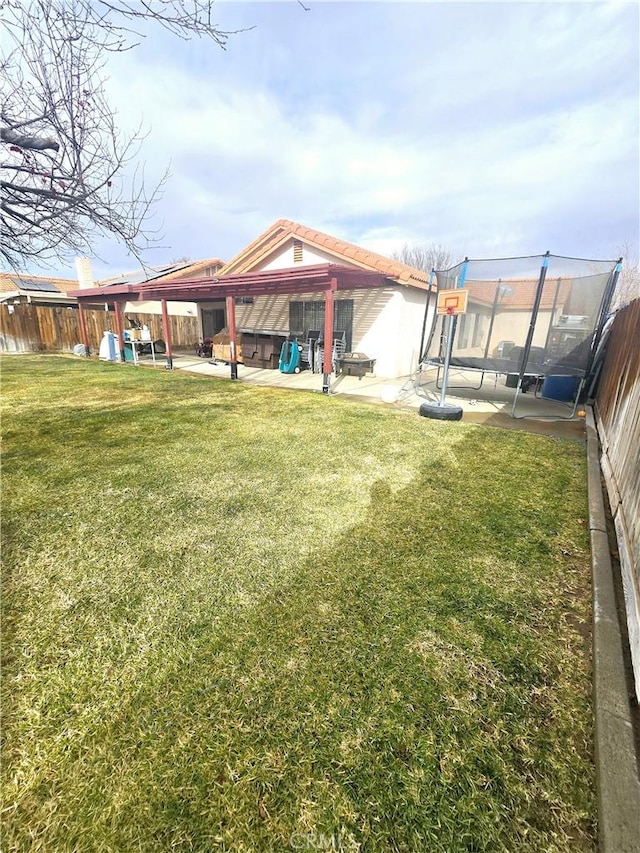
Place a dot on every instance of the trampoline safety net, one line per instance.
(540, 315)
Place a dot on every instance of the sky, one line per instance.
(494, 129)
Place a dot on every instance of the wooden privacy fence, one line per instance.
(617, 409)
(40, 328)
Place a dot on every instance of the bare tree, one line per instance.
(66, 171)
(628, 286)
(431, 256)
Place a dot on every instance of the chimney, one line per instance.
(85, 276)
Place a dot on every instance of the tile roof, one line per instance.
(523, 292)
(285, 229)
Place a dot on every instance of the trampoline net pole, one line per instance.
(604, 310)
(532, 328)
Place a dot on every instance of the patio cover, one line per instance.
(327, 278)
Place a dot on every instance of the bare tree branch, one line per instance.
(68, 173)
(628, 287)
(432, 256)
(34, 143)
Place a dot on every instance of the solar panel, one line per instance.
(140, 276)
(35, 284)
(160, 272)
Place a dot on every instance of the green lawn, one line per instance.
(243, 619)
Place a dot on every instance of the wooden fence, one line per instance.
(617, 410)
(40, 328)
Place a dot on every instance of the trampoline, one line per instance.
(536, 320)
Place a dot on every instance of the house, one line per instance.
(291, 281)
(22, 289)
(383, 322)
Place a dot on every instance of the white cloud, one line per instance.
(487, 127)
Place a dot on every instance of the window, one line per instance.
(297, 251)
(304, 316)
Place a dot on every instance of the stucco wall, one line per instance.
(269, 313)
(392, 335)
(386, 324)
(507, 326)
(412, 318)
(175, 309)
(514, 325)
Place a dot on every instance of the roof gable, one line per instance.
(266, 246)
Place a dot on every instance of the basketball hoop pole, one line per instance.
(447, 359)
(450, 322)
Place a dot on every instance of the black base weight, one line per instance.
(441, 413)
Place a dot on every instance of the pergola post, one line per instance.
(166, 331)
(119, 332)
(231, 325)
(328, 335)
(83, 328)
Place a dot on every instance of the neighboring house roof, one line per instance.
(284, 229)
(522, 295)
(40, 288)
(166, 272)
(37, 288)
(210, 266)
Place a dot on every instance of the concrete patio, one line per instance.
(490, 403)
